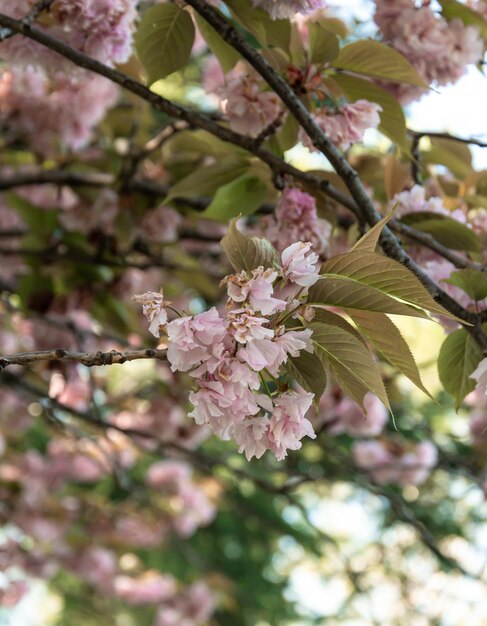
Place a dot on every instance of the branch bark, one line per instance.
(90, 359)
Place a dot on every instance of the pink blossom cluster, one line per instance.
(346, 125)
(54, 112)
(338, 413)
(191, 507)
(160, 225)
(416, 200)
(439, 49)
(102, 29)
(248, 109)
(282, 9)
(40, 509)
(296, 218)
(396, 463)
(232, 357)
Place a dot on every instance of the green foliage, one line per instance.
(392, 119)
(243, 195)
(472, 282)
(164, 40)
(245, 253)
(388, 277)
(308, 371)
(458, 358)
(323, 44)
(387, 339)
(225, 54)
(377, 60)
(445, 230)
(349, 361)
(452, 9)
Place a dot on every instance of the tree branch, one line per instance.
(361, 205)
(90, 359)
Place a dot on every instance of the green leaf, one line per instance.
(377, 60)
(445, 230)
(226, 55)
(350, 294)
(204, 181)
(349, 361)
(392, 119)
(369, 241)
(323, 45)
(247, 253)
(459, 356)
(41, 222)
(452, 154)
(452, 9)
(308, 371)
(164, 40)
(472, 282)
(387, 339)
(243, 195)
(253, 19)
(386, 275)
(328, 317)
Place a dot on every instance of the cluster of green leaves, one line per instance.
(366, 286)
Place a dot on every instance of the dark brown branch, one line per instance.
(90, 359)
(361, 204)
(440, 135)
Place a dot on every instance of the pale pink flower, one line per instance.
(439, 49)
(282, 9)
(54, 112)
(296, 219)
(153, 309)
(163, 473)
(288, 424)
(293, 341)
(480, 374)
(414, 200)
(213, 76)
(148, 588)
(251, 436)
(402, 465)
(257, 290)
(98, 566)
(193, 340)
(246, 327)
(161, 225)
(249, 110)
(346, 125)
(342, 415)
(103, 29)
(299, 264)
(261, 354)
(193, 607)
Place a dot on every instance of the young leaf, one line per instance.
(392, 119)
(459, 356)
(204, 181)
(308, 371)
(323, 44)
(245, 253)
(349, 360)
(387, 339)
(328, 317)
(386, 275)
(243, 195)
(348, 293)
(452, 9)
(377, 60)
(472, 282)
(369, 241)
(164, 40)
(226, 55)
(445, 230)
